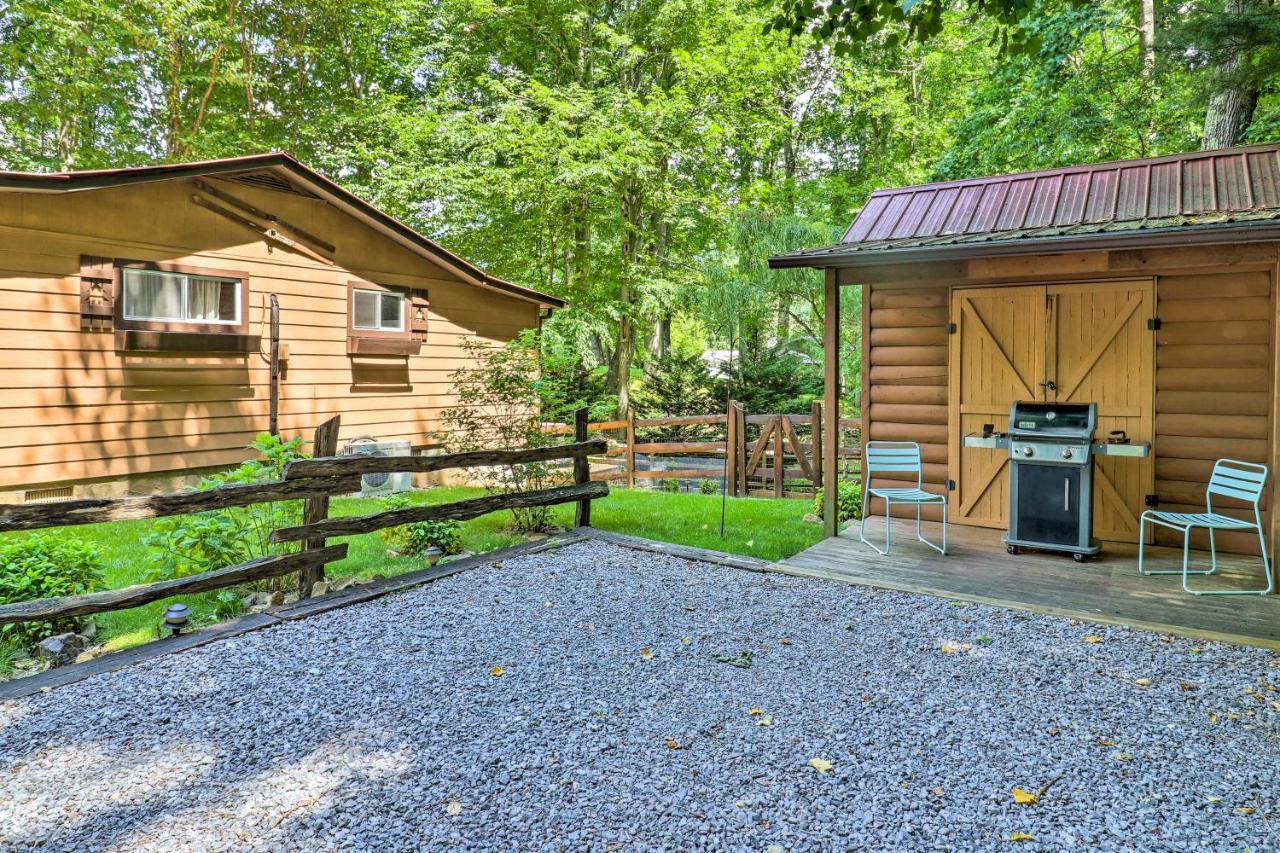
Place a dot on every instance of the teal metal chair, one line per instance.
(902, 457)
(1230, 478)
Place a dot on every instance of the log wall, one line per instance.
(1213, 387)
(907, 394)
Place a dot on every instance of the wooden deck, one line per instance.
(1108, 589)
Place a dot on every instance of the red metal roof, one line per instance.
(1200, 182)
(1201, 189)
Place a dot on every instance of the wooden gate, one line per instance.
(1062, 343)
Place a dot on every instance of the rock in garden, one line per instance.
(343, 583)
(61, 648)
(276, 599)
(812, 518)
(319, 588)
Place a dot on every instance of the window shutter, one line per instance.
(97, 293)
(418, 313)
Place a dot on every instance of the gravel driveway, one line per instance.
(648, 702)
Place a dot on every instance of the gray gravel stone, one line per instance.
(383, 725)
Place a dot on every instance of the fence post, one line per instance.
(317, 508)
(581, 468)
(730, 451)
(631, 448)
(742, 450)
(815, 443)
(778, 453)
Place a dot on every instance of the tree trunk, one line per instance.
(1149, 18)
(1231, 108)
(620, 369)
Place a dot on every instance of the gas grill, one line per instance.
(1051, 450)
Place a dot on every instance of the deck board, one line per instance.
(1108, 589)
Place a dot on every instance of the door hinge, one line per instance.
(951, 485)
(1153, 324)
(951, 328)
(1151, 500)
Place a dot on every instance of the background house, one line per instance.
(135, 319)
(1148, 286)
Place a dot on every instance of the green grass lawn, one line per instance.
(760, 527)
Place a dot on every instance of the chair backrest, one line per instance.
(902, 456)
(1235, 479)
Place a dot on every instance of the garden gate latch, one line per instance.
(1151, 500)
(1153, 324)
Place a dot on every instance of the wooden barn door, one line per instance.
(997, 357)
(1060, 343)
(1100, 350)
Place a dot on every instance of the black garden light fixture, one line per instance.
(176, 617)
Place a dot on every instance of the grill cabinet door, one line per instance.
(1048, 504)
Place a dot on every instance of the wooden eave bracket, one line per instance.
(273, 232)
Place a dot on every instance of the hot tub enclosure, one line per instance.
(1146, 286)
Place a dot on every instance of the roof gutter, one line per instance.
(1148, 238)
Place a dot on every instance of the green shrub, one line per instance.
(42, 566)
(849, 500)
(445, 534)
(709, 486)
(227, 604)
(670, 484)
(189, 544)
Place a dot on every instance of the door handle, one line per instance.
(1049, 385)
(1066, 494)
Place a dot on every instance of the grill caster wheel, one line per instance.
(1079, 558)
(1012, 549)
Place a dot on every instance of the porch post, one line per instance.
(831, 403)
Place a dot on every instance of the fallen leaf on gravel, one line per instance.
(497, 672)
(1073, 622)
(1025, 798)
(1186, 685)
(766, 720)
(1196, 651)
(755, 712)
(1054, 732)
(1143, 682)
(645, 654)
(1213, 799)
(671, 743)
(1213, 718)
(742, 660)
(786, 641)
(547, 604)
(1092, 638)
(1105, 741)
(937, 790)
(821, 765)
(453, 809)
(1121, 756)
(1244, 809)
(684, 641)
(1021, 836)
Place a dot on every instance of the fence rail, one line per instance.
(763, 455)
(314, 480)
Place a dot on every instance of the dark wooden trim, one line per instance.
(68, 606)
(97, 293)
(241, 328)
(234, 201)
(831, 403)
(141, 340)
(97, 510)
(336, 466)
(458, 510)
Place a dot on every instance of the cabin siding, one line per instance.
(907, 396)
(72, 408)
(1214, 361)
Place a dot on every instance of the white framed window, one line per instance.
(174, 297)
(377, 310)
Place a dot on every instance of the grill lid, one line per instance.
(1028, 419)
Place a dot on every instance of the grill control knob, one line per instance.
(1066, 453)
(1027, 450)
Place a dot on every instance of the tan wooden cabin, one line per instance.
(135, 308)
(1146, 286)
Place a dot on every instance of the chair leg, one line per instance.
(1183, 570)
(862, 531)
(920, 530)
(1266, 568)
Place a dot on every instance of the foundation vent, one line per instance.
(44, 496)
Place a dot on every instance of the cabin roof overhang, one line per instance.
(297, 177)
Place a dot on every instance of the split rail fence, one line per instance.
(314, 480)
(760, 455)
